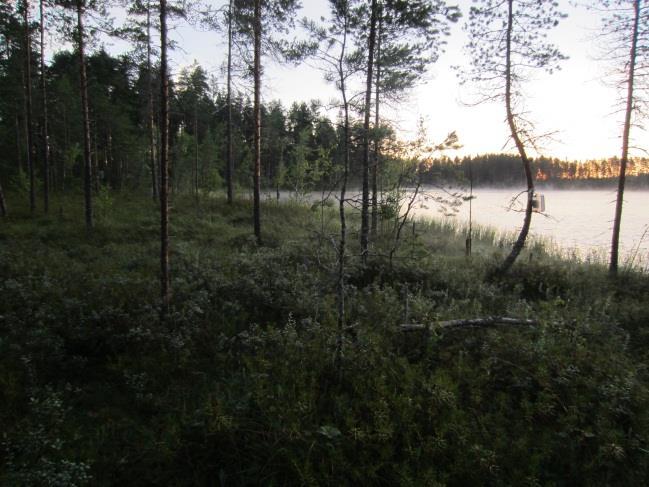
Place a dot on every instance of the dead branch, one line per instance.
(487, 322)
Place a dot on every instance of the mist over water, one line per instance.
(580, 222)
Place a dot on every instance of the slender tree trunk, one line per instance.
(66, 145)
(45, 130)
(402, 220)
(110, 161)
(522, 236)
(377, 138)
(340, 285)
(196, 150)
(152, 135)
(229, 168)
(3, 203)
(87, 175)
(95, 164)
(28, 108)
(366, 135)
(257, 122)
(164, 163)
(615, 241)
(19, 146)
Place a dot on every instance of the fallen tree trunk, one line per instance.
(487, 322)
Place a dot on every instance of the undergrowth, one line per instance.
(238, 385)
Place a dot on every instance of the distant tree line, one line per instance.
(498, 170)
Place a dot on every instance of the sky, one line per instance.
(574, 103)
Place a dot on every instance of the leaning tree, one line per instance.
(507, 42)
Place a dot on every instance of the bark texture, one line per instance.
(3, 203)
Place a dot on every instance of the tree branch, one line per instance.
(487, 322)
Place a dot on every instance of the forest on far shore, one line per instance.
(504, 170)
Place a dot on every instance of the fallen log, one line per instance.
(487, 322)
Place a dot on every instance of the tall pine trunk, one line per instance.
(340, 285)
(152, 135)
(365, 206)
(164, 163)
(45, 128)
(522, 236)
(83, 80)
(615, 241)
(257, 121)
(377, 138)
(229, 168)
(28, 108)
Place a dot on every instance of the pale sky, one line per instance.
(574, 102)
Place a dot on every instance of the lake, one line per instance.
(578, 222)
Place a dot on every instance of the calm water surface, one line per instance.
(578, 221)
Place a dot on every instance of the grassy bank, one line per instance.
(238, 386)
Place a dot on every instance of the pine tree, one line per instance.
(365, 202)
(83, 88)
(410, 36)
(165, 289)
(626, 37)
(44, 126)
(28, 105)
(262, 21)
(507, 40)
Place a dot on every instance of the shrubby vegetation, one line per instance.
(288, 363)
(238, 385)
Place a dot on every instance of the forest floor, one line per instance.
(238, 386)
